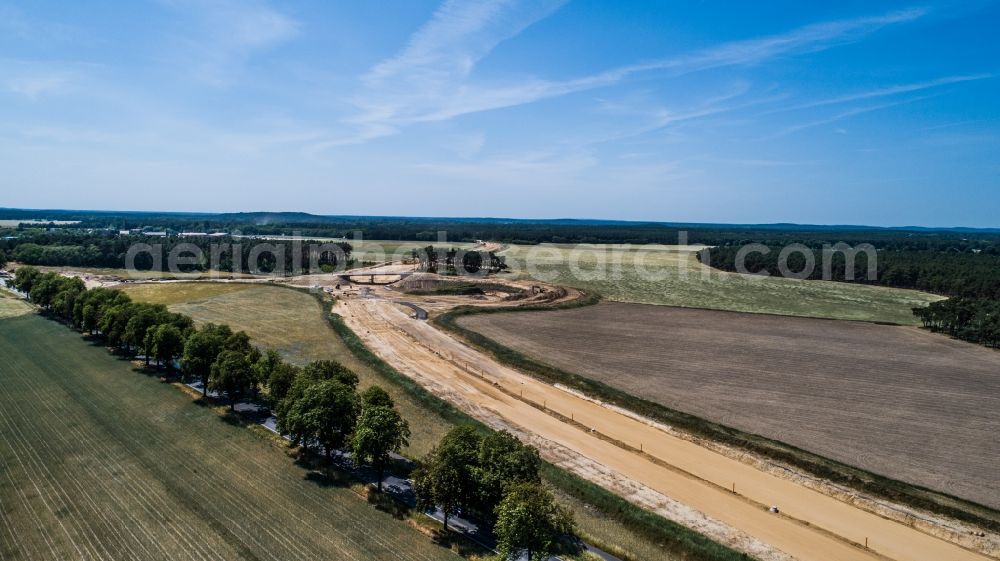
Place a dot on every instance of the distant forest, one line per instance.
(77, 247)
(970, 278)
(517, 231)
(950, 273)
(961, 263)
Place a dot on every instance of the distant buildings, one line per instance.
(165, 233)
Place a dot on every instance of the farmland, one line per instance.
(893, 400)
(182, 293)
(373, 251)
(370, 251)
(653, 465)
(141, 275)
(11, 305)
(672, 275)
(291, 322)
(101, 462)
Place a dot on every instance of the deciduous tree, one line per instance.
(446, 477)
(280, 381)
(326, 413)
(201, 349)
(375, 396)
(528, 519)
(503, 461)
(330, 370)
(268, 361)
(167, 343)
(380, 431)
(231, 375)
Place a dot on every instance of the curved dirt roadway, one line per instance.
(812, 526)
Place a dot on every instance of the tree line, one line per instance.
(972, 319)
(975, 275)
(971, 280)
(83, 248)
(526, 231)
(490, 475)
(495, 477)
(453, 261)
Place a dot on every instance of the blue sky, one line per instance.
(852, 112)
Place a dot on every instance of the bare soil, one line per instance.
(606, 443)
(893, 400)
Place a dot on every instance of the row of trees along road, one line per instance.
(492, 476)
(496, 478)
(314, 404)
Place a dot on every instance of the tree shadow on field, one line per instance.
(153, 371)
(459, 543)
(324, 476)
(387, 504)
(342, 473)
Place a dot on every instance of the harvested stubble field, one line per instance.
(11, 305)
(181, 293)
(100, 462)
(145, 275)
(896, 401)
(371, 251)
(673, 276)
(290, 321)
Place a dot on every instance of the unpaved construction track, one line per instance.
(811, 525)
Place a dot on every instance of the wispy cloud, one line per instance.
(458, 35)
(519, 170)
(429, 80)
(753, 162)
(843, 115)
(14, 23)
(37, 84)
(225, 34)
(886, 91)
(35, 79)
(421, 82)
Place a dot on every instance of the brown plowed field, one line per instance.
(812, 526)
(893, 400)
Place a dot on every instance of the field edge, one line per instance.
(678, 539)
(874, 484)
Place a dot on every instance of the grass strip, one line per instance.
(675, 538)
(672, 537)
(462, 289)
(825, 468)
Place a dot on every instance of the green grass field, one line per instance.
(673, 276)
(100, 462)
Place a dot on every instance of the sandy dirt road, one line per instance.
(811, 526)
